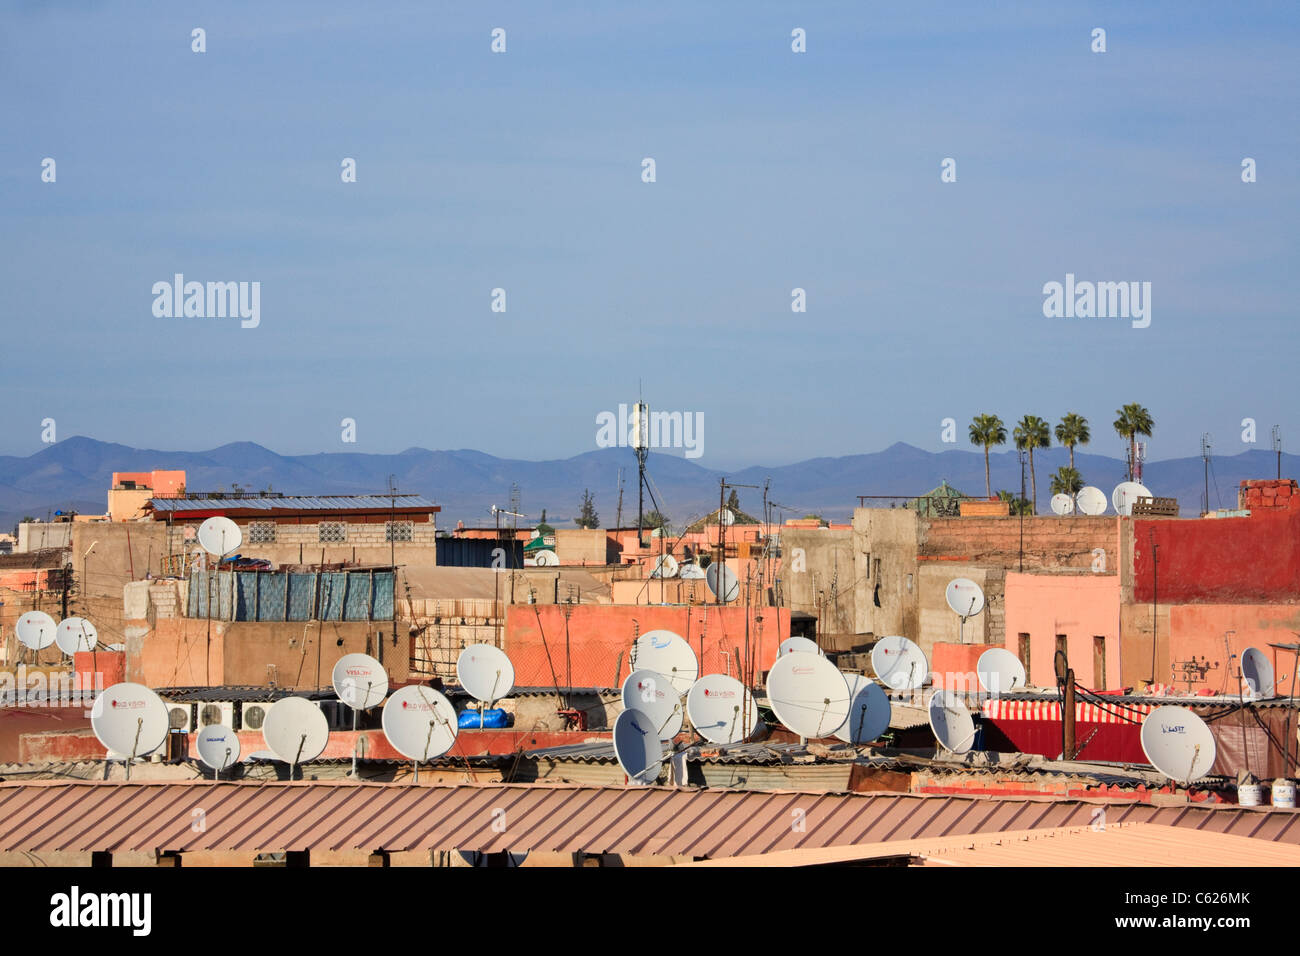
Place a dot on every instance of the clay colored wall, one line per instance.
(953, 666)
(597, 635)
(1080, 606)
(1253, 560)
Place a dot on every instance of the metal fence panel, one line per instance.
(302, 597)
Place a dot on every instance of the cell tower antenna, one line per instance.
(1277, 449)
(1207, 441)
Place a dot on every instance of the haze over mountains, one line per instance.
(76, 473)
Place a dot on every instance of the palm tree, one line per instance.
(1072, 431)
(1133, 420)
(987, 430)
(1032, 432)
(1066, 481)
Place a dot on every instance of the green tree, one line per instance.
(1066, 481)
(987, 430)
(1133, 420)
(587, 517)
(1032, 432)
(1073, 430)
(653, 519)
(543, 527)
(733, 501)
(1017, 505)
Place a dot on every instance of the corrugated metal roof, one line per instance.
(49, 816)
(293, 503)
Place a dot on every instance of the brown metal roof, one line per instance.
(53, 816)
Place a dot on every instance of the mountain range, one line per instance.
(75, 474)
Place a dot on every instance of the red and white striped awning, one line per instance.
(1050, 710)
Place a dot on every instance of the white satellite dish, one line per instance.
(951, 722)
(1178, 743)
(808, 694)
(801, 644)
(869, 711)
(899, 663)
(295, 730)
(654, 695)
(546, 559)
(727, 517)
(76, 634)
(670, 655)
(218, 746)
(1126, 494)
(691, 572)
(721, 708)
(220, 536)
(665, 567)
(36, 629)
(419, 722)
(1062, 504)
(1257, 673)
(485, 672)
(1091, 501)
(728, 589)
(1000, 671)
(637, 747)
(130, 719)
(965, 597)
(360, 681)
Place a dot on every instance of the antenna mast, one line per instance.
(641, 445)
(1206, 440)
(1277, 449)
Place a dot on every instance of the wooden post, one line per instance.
(1067, 717)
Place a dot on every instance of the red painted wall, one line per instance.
(599, 633)
(1253, 560)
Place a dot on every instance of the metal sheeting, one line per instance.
(270, 817)
(278, 596)
(293, 503)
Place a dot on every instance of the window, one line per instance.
(333, 532)
(1024, 651)
(1062, 649)
(261, 532)
(1099, 663)
(399, 530)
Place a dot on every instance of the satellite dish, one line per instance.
(1127, 493)
(485, 672)
(951, 722)
(869, 711)
(360, 681)
(670, 655)
(729, 585)
(1062, 504)
(655, 696)
(1091, 501)
(721, 708)
(965, 597)
(1178, 743)
(808, 694)
(1257, 673)
(36, 629)
(546, 559)
(665, 567)
(691, 572)
(1000, 671)
(801, 644)
(130, 719)
(899, 663)
(726, 517)
(295, 730)
(76, 634)
(419, 722)
(218, 746)
(637, 747)
(220, 536)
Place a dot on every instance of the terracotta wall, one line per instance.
(599, 634)
(1080, 606)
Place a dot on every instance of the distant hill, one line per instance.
(75, 474)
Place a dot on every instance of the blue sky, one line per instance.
(522, 171)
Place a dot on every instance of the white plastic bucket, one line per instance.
(1250, 794)
(1284, 793)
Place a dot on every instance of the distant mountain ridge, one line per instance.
(76, 473)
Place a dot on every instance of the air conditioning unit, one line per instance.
(337, 714)
(216, 712)
(180, 715)
(252, 714)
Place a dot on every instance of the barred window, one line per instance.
(399, 530)
(333, 531)
(261, 532)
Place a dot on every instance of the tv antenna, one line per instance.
(951, 722)
(1206, 439)
(808, 694)
(869, 711)
(295, 730)
(1178, 743)
(722, 709)
(218, 747)
(641, 446)
(899, 663)
(655, 696)
(420, 723)
(131, 721)
(637, 747)
(966, 599)
(1277, 449)
(486, 674)
(361, 682)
